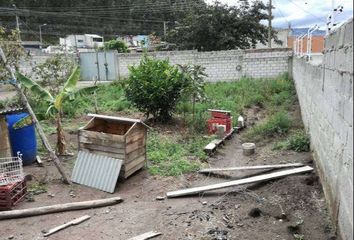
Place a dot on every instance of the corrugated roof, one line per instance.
(96, 171)
(10, 110)
(122, 119)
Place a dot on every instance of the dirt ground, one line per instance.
(222, 214)
(252, 212)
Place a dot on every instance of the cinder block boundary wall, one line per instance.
(221, 65)
(325, 93)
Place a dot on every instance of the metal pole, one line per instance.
(164, 28)
(40, 35)
(333, 15)
(270, 24)
(17, 23)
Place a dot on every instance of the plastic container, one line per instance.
(23, 138)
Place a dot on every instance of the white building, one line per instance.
(82, 41)
(282, 35)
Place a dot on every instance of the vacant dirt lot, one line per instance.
(223, 214)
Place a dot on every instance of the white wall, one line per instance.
(325, 93)
(221, 65)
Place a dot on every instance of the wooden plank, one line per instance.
(130, 129)
(134, 154)
(135, 145)
(108, 154)
(255, 179)
(59, 208)
(133, 163)
(102, 142)
(135, 137)
(102, 148)
(68, 224)
(133, 170)
(118, 119)
(262, 167)
(102, 135)
(5, 147)
(88, 125)
(146, 236)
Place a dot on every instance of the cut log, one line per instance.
(262, 167)
(68, 224)
(59, 208)
(255, 179)
(146, 236)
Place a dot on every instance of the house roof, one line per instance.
(10, 110)
(93, 35)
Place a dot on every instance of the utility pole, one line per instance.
(17, 23)
(270, 24)
(40, 34)
(164, 28)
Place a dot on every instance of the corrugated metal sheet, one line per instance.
(96, 171)
(11, 110)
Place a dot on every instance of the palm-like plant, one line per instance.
(55, 104)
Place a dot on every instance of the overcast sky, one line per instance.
(303, 13)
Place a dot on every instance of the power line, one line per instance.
(308, 12)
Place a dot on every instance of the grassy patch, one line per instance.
(273, 95)
(298, 141)
(171, 155)
(277, 124)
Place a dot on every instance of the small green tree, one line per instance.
(194, 89)
(13, 50)
(54, 72)
(118, 45)
(55, 104)
(155, 87)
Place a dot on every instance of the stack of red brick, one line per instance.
(219, 118)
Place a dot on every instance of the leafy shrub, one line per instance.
(299, 141)
(118, 45)
(276, 125)
(155, 87)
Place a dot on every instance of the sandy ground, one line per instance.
(222, 214)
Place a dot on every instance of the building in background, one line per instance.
(318, 37)
(282, 36)
(82, 41)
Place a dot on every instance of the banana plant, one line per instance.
(55, 103)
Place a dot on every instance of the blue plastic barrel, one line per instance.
(23, 139)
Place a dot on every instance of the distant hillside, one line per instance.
(301, 31)
(105, 17)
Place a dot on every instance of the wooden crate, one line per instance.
(116, 137)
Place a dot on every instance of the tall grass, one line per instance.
(274, 95)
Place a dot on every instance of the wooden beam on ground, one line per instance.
(255, 179)
(146, 236)
(59, 208)
(68, 224)
(33, 115)
(262, 167)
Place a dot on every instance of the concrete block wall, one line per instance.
(325, 94)
(221, 65)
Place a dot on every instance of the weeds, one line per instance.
(299, 141)
(171, 156)
(277, 124)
